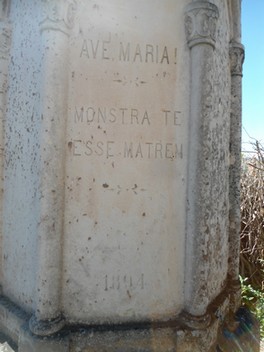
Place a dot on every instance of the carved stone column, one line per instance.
(55, 30)
(236, 62)
(5, 43)
(200, 23)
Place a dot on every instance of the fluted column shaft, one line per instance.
(201, 19)
(55, 31)
(236, 61)
(236, 55)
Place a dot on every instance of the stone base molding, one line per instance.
(196, 332)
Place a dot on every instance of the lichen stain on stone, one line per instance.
(105, 185)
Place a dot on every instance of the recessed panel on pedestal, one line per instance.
(125, 191)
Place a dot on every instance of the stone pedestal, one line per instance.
(120, 135)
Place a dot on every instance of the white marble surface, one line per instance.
(96, 166)
(125, 144)
(126, 162)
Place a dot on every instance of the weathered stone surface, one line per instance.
(208, 158)
(21, 157)
(120, 130)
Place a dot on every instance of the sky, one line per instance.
(253, 72)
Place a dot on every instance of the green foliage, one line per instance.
(253, 299)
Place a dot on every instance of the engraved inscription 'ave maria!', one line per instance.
(113, 49)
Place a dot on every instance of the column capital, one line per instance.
(237, 55)
(59, 16)
(200, 23)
